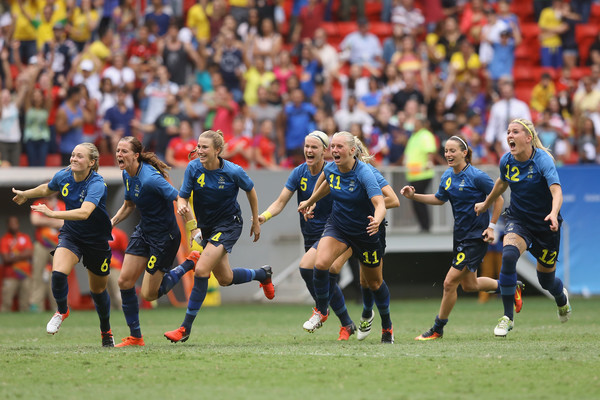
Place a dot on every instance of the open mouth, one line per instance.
(120, 162)
(511, 144)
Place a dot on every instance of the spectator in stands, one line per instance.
(180, 147)
(36, 131)
(248, 29)
(570, 47)
(61, 52)
(10, 134)
(393, 44)
(362, 47)
(263, 110)
(418, 158)
(239, 147)
(103, 47)
(84, 73)
(197, 20)
(541, 94)
(106, 100)
(167, 125)
(346, 7)
(283, 69)
(552, 27)
(83, 21)
(465, 62)
(472, 132)
(47, 20)
(327, 54)
(345, 117)
(409, 17)
(588, 100)
(225, 109)
(406, 59)
(582, 8)
(547, 133)
(69, 124)
(587, 143)
(16, 251)
(296, 121)
(177, 56)
(46, 240)
(503, 54)
(24, 32)
(256, 76)
(121, 75)
(473, 19)
(309, 20)
(158, 15)
(267, 44)
(311, 70)
(392, 82)
(118, 120)
(194, 107)
(263, 146)
(125, 20)
(441, 47)
(410, 91)
(502, 112)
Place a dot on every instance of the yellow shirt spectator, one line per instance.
(197, 20)
(24, 29)
(541, 94)
(100, 50)
(462, 66)
(82, 24)
(254, 79)
(549, 20)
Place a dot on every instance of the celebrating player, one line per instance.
(533, 217)
(155, 241)
(84, 234)
(215, 184)
(463, 185)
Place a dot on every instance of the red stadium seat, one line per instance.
(578, 73)
(382, 30)
(373, 10)
(346, 28)
(523, 93)
(585, 35)
(53, 160)
(524, 10)
(595, 14)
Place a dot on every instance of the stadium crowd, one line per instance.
(267, 72)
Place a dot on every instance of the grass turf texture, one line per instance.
(261, 352)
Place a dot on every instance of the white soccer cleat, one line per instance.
(315, 321)
(504, 326)
(56, 321)
(564, 312)
(364, 327)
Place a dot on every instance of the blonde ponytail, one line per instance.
(535, 139)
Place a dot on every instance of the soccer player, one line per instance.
(463, 185)
(533, 217)
(302, 180)
(84, 234)
(357, 212)
(215, 184)
(155, 241)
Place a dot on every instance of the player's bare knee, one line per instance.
(148, 295)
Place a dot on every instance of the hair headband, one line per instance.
(318, 137)
(526, 127)
(462, 141)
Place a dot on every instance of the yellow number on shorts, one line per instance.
(65, 190)
(366, 258)
(448, 182)
(216, 237)
(335, 178)
(460, 257)
(303, 185)
(545, 254)
(104, 266)
(515, 173)
(151, 262)
(200, 180)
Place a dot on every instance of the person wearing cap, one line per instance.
(362, 47)
(64, 52)
(463, 185)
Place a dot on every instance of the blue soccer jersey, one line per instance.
(463, 190)
(215, 191)
(153, 196)
(302, 181)
(529, 182)
(351, 193)
(97, 228)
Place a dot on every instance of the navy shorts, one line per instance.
(160, 254)
(311, 242)
(469, 253)
(542, 244)
(366, 248)
(95, 256)
(226, 233)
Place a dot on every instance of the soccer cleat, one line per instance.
(178, 335)
(107, 339)
(131, 341)
(267, 284)
(347, 331)
(504, 326)
(56, 321)
(518, 296)
(315, 321)
(429, 335)
(564, 312)
(364, 327)
(387, 336)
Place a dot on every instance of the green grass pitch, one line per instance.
(261, 352)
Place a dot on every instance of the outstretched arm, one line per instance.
(277, 206)
(124, 212)
(21, 196)
(253, 200)
(557, 199)
(499, 187)
(77, 214)
(409, 193)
